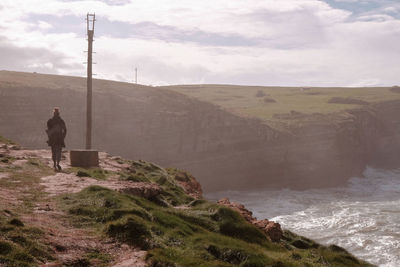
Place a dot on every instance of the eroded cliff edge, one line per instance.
(318, 151)
(223, 150)
(134, 213)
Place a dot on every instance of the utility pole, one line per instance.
(90, 19)
(87, 157)
(136, 75)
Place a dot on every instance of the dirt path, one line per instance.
(69, 243)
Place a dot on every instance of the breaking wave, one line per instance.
(363, 216)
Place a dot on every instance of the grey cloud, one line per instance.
(143, 30)
(24, 59)
(295, 30)
(162, 73)
(291, 29)
(108, 2)
(60, 24)
(150, 30)
(116, 2)
(355, 71)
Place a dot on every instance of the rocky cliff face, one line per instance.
(324, 150)
(158, 125)
(385, 152)
(223, 150)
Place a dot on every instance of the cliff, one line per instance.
(217, 141)
(133, 213)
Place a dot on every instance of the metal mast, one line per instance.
(90, 19)
(136, 75)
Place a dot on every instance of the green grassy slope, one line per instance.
(202, 234)
(173, 227)
(265, 102)
(178, 230)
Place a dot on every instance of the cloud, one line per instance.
(108, 2)
(263, 42)
(33, 59)
(142, 30)
(44, 25)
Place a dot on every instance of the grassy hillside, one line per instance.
(85, 227)
(9, 79)
(268, 102)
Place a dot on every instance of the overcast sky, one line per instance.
(253, 42)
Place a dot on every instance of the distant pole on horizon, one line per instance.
(136, 75)
(90, 19)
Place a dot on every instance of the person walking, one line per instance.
(56, 132)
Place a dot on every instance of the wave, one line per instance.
(363, 216)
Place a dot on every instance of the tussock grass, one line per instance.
(20, 245)
(98, 259)
(202, 234)
(172, 193)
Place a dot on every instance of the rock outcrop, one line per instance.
(272, 229)
(189, 184)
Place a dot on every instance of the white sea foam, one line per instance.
(363, 217)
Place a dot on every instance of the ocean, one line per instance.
(362, 217)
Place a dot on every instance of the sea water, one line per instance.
(362, 217)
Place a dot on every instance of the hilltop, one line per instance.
(275, 104)
(133, 213)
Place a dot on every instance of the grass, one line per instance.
(28, 174)
(20, 245)
(202, 234)
(96, 173)
(171, 194)
(248, 100)
(6, 141)
(97, 258)
(26, 179)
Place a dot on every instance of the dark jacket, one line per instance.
(56, 131)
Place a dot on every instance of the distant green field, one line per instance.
(265, 102)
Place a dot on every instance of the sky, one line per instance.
(246, 42)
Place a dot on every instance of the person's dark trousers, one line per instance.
(56, 154)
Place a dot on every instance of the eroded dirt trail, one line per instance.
(70, 244)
